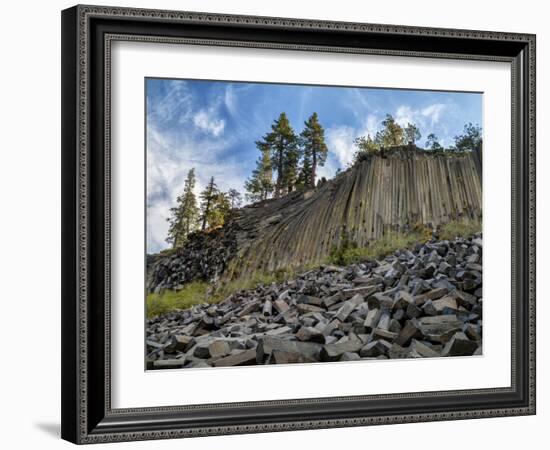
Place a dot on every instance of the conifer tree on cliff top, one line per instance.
(215, 206)
(285, 154)
(314, 150)
(392, 133)
(260, 184)
(184, 216)
(412, 133)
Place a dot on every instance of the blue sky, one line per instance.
(212, 126)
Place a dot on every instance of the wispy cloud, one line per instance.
(433, 112)
(207, 121)
(425, 117)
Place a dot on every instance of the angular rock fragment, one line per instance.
(473, 331)
(267, 308)
(242, 358)
(310, 334)
(378, 333)
(365, 291)
(281, 306)
(413, 311)
(330, 327)
(402, 300)
(345, 310)
(395, 326)
(424, 350)
(371, 321)
(380, 300)
(396, 351)
(384, 322)
(333, 352)
(445, 303)
(409, 331)
(350, 356)
(429, 308)
(267, 344)
(181, 343)
(168, 363)
(304, 308)
(287, 357)
(202, 351)
(375, 348)
(459, 345)
(279, 330)
(439, 324)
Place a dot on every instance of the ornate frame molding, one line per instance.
(80, 423)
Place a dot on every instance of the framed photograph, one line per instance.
(281, 224)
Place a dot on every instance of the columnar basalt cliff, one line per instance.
(395, 190)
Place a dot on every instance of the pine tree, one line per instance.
(208, 199)
(432, 142)
(235, 198)
(285, 154)
(260, 184)
(412, 133)
(470, 140)
(219, 211)
(184, 216)
(365, 146)
(304, 176)
(215, 206)
(314, 149)
(392, 134)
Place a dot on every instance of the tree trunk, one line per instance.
(279, 185)
(206, 211)
(313, 169)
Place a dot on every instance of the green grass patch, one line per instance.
(168, 300)
(464, 227)
(349, 253)
(198, 292)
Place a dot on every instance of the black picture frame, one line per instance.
(87, 416)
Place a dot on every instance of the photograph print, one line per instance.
(310, 224)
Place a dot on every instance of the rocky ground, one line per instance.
(203, 257)
(425, 302)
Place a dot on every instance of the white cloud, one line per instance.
(207, 122)
(340, 140)
(372, 125)
(433, 112)
(405, 115)
(340, 143)
(423, 117)
(230, 99)
(157, 226)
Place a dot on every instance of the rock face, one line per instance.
(394, 191)
(204, 257)
(425, 302)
